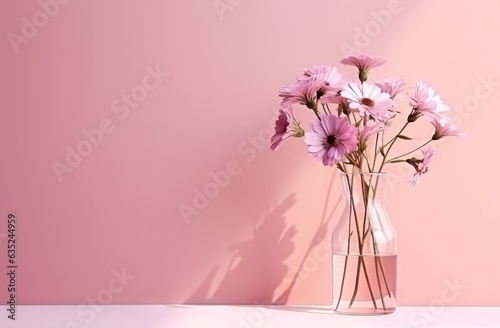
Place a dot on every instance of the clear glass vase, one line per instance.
(364, 249)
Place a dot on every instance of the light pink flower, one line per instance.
(367, 98)
(420, 165)
(303, 91)
(391, 86)
(370, 128)
(286, 126)
(334, 82)
(427, 103)
(446, 130)
(364, 63)
(331, 138)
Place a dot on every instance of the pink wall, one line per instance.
(208, 109)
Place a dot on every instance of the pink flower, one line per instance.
(303, 91)
(364, 63)
(331, 138)
(420, 165)
(391, 86)
(367, 98)
(428, 104)
(334, 82)
(371, 128)
(446, 130)
(343, 106)
(283, 129)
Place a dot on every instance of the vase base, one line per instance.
(365, 284)
(364, 311)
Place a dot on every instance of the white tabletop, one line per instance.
(224, 316)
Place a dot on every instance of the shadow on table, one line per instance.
(322, 309)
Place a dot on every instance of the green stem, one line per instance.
(356, 286)
(393, 140)
(367, 162)
(378, 281)
(408, 153)
(377, 257)
(378, 262)
(328, 108)
(375, 151)
(348, 251)
(368, 282)
(361, 260)
(324, 109)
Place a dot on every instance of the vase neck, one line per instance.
(365, 186)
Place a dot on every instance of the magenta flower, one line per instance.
(286, 126)
(364, 63)
(331, 138)
(334, 82)
(446, 130)
(420, 165)
(303, 91)
(391, 86)
(427, 103)
(367, 98)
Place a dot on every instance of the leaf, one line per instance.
(340, 167)
(404, 137)
(382, 151)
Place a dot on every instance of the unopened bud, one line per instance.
(413, 116)
(363, 75)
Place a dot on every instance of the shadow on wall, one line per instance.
(257, 269)
(257, 266)
(321, 235)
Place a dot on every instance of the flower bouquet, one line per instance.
(350, 129)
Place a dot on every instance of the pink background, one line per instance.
(262, 237)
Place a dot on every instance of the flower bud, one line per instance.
(362, 145)
(363, 75)
(311, 104)
(346, 109)
(413, 116)
(299, 132)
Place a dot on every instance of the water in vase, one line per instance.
(364, 284)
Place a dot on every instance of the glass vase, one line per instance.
(364, 249)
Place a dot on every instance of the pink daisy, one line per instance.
(334, 82)
(427, 103)
(303, 91)
(286, 126)
(367, 98)
(364, 63)
(391, 86)
(371, 128)
(420, 165)
(446, 130)
(331, 138)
